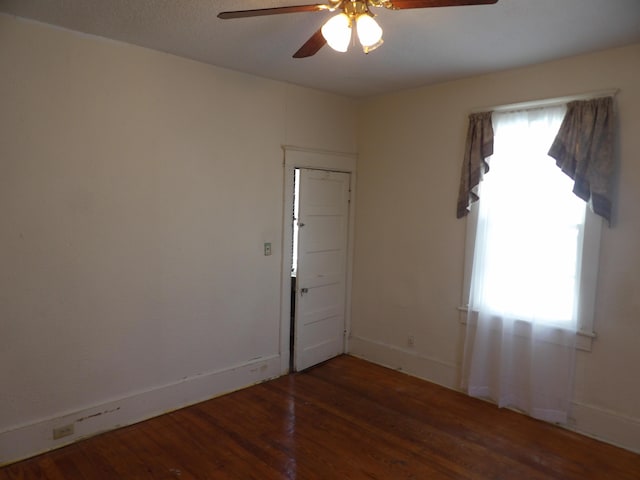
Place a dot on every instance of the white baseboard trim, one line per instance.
(605, 425)
(405, 359)
(35, 438)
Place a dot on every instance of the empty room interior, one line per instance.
(190, 214)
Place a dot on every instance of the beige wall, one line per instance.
(136, 191)
(409, 245)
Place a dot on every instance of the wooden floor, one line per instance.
(346, 419)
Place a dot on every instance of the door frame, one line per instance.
(298, 157)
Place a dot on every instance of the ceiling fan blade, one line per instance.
(311, 46)
(405, 4)
(272, 11)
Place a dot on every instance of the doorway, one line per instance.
(317, 245)
(320, 234)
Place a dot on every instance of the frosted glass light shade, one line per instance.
(337, 32)
(369, 32)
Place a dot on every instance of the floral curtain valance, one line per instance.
(583, 149)
(478, 147)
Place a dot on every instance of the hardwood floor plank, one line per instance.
(448, 453)
(319, 441)
(225, 446)
(446, 435)
(160, 457)
(272, 430)
(190, 455)
(108, 453)
(386, 459)
(544, 446)
(26, 472)
(345, 419)
(57, 465)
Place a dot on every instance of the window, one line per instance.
(534, 251)
(535, 242)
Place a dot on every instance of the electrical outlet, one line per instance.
(267, 249)
(411, 341)
(63, 431)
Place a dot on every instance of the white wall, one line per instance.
(136, 191)
(409, 246)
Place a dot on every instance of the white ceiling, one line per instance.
(422, 46)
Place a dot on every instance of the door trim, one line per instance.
(298, 157)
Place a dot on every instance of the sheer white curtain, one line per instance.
(522, 322)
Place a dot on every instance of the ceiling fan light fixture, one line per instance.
(337, 32)
(372, 47)
(369, 32)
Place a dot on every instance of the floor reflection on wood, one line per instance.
(344, 419)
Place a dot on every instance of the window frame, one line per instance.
(590, 257)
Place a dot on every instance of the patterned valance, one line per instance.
(479, 146)
(583, 149)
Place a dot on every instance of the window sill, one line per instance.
(584, 339)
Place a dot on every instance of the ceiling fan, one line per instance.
(337, 31)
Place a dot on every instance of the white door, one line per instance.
(323, 217)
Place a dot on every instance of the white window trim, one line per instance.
(590, 245)
(588, 275)
(547, 102)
